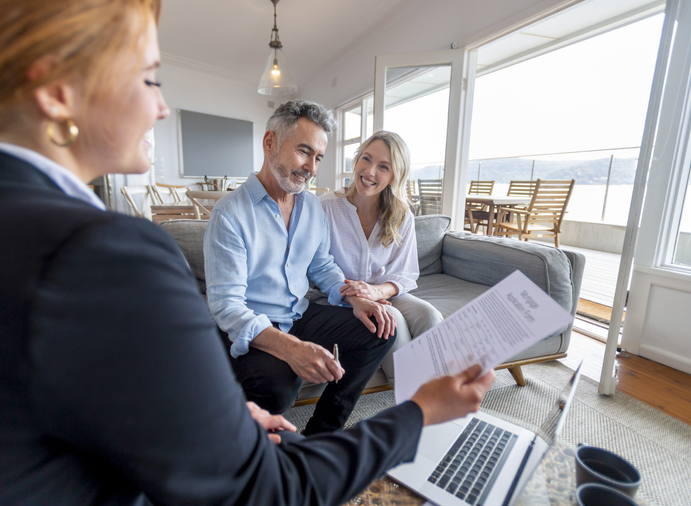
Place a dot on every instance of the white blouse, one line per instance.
(366, 260)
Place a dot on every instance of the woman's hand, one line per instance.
(363, 309)
(362, 290)
(272, 423)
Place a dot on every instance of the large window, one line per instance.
(416, 106)
(577, 112)
(416, 103)
(355, 127)
(682, 247)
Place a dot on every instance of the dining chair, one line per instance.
(162, 193)
(543, 216)
(237, 181)
(203, 186)
(430, 195)
(319, 191)
(141, 193)
(204, 201)
(477, 214)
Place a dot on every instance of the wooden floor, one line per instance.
(659, 386)
(656, 385)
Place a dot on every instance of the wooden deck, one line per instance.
(600, 275)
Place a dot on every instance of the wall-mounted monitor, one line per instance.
(214, 146)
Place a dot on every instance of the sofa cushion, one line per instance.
(429, 230)
(189, 234)
(448, 294)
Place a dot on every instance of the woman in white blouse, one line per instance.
(373, 236)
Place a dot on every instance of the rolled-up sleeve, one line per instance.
(225, 266)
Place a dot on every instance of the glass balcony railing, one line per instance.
(604, 179)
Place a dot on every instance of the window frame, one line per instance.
(341, 171)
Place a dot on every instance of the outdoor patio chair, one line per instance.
(544, 214)
(430, 195)
(476, 214)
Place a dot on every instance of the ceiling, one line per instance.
(231, 37)
(578, 22)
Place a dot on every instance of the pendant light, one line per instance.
(276, 79)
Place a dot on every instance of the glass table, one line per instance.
(552, 483)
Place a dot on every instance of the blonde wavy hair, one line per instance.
(83, 36)
(393, 201)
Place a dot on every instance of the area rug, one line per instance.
(657, 444)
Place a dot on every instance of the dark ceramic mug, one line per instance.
(597, 494)
(597, 465)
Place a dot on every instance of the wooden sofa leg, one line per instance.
(517, 375)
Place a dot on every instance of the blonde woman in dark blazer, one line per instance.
(114, 386)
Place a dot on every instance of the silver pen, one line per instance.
(336, 356)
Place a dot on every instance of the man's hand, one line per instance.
(273, 424)
(313, 363)
(363, 309)
(451, 397)
(309, 361)
(377, 293)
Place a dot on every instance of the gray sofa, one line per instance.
(455, 267)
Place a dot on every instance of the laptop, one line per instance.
(481, 459)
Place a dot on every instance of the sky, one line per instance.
(590, 95)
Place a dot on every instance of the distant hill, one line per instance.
(583, 171)
(429, 172)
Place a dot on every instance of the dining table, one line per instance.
(493, 202)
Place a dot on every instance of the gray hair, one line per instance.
(286, 117)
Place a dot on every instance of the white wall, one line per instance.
(423, 25)
(207, 93)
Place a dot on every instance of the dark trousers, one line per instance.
(272, 384)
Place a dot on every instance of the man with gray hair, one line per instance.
(265, 243)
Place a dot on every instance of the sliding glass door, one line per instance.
(422, 98)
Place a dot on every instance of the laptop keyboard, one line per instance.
(472, 463)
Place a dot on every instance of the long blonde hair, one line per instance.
(393, 201)
(83, 36)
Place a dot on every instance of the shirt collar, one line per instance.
(66, 180)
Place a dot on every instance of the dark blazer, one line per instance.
(114, 385)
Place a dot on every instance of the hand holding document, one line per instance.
(505, 320)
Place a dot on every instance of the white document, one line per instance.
(505, 320)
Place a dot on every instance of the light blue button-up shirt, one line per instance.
(257, 272)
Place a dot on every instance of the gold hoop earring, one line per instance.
(72, 133)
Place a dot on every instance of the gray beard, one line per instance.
(285, 183)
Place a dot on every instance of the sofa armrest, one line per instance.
(486, 260)
(189, 234)
(577, 261)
